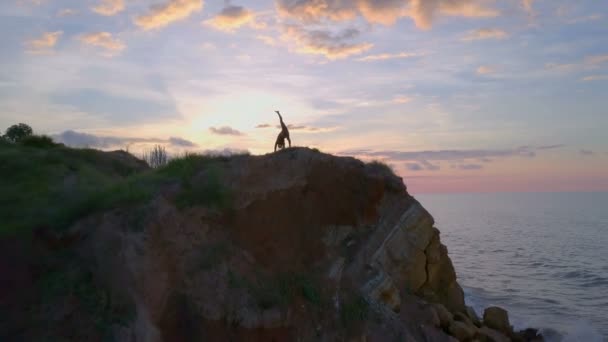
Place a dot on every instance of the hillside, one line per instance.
(294, 245)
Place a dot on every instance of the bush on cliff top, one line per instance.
(18, 132)
(54, 187)
(39, 141)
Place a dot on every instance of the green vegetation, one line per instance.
(382, 166)
(354, 310)
(208, 191)
(211, 256)
(18, 132)
(283, 289)
(49, 185)
(156, 157)
(38, 141)
(98, 304)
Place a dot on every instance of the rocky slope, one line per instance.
(291, 246)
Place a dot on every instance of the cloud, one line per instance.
(232, 18)
(422, 165)
(225, 152)
(79, 139)
(595, 78)
(600, 59)
(225, 130)
(208, 46)
(321, 42)
(103, 40)
(387, 56)
(164, 14)
(308, 129)
(267, 40)
(470, 166)
(43, 44)
(302, 128)
(414, 167)
(66, 12)
(485, 70)
(429, 166)
(401, 99)
(109, 7)
(31, 2)
(485, 33)
(584, 19)
(527, 6)
(311, 11)
(562, 67)
(120, 107)
(588, 63)
(426, 10)
(446, 155)
(385, 12)
(586, 152)
(550, 147)
(177, 141)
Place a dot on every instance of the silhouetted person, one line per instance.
(280, 143)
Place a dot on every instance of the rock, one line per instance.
(445, 317)
(461, 317)
(486, 334)
(424, 312)
(354, 222)
(497, 319)
(461, 331)
(441, 282)
(473, 316)
(529, 335)
(433, 335)
(271, 318)
(388, 294)
(435, 320)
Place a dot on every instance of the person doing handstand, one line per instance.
(280, 143)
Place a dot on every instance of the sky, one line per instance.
(455, 95)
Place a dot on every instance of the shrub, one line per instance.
(96, 303)
(208, 190)
(38, 141)
(156, 157)
(380, 165)
(18, 132)
(182, 168)
(282, 289)
(354, 310)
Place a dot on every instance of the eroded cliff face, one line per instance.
(312, 247)
(304, 247)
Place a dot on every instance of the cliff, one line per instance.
(294, 245)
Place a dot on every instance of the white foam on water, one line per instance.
(579, 331)
(583, 331)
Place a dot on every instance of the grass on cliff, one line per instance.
(47, 185)
(281, 289)
(64, 281)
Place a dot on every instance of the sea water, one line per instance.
(541, 256)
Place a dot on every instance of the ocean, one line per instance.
(541, 256)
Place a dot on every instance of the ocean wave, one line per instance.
(582, 331)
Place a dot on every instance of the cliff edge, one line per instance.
(295, 245)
